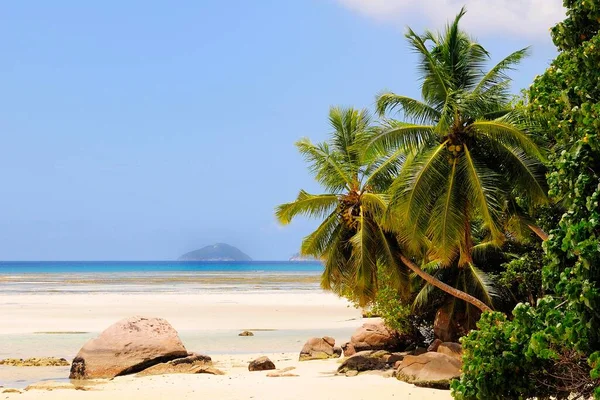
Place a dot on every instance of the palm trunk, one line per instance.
(444, 287)
(538, 231)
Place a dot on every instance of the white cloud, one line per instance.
(520, 18)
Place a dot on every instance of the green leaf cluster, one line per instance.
(564, 328)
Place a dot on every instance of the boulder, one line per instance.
(192, 364)
(366, 361)
(434, 345)
(431, 369)
(348, 349)
(451, 349)
(374, 336)
(126, 347)
(246, 333)
(261, 364)
(320, 349)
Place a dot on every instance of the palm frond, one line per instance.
(336, 273)
(498, 74)
(481, 251)
(447, 221)
(415, 188)
(307, 204)
(394, 135)
(435, 80)
(347, 124)
(375, 203)
(328, 167)
(526, 174)
(507, 132)
(382, 171)
(414, 110)
(481, 187)
(482, 285)
(388, 252)
(317, 243)
(364, 260)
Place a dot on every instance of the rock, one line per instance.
(432, 369)
(351, 372)
(418, 351)
(451, 349)
(192, 364)
(374, 336)
(10, 390)
(206, 369)
(261, 364)
(434, 345)
(192, 358)
(246, 333)
(319, 349)
(35, 362)
(348, 349)
(364, 361)
(395, 357)
(126, 347)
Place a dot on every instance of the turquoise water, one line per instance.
(51, 277)
(49, 267)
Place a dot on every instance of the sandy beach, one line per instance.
(315, 380)
(285, 316)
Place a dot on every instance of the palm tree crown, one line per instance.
(350, 239)
(468, 151)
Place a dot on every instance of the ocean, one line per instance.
(46, 277)
(24, 287)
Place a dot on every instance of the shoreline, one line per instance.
(207, 323)
(315, 380)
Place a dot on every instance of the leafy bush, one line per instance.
(554, 348)
(389, 306)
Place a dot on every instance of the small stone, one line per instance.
(261, 364)
(319, 349)
(351, 372)
(246, 333)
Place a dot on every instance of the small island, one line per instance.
(216, 252)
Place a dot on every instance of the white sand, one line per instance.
(316, 380)
(95, 312)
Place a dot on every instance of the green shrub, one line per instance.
(389, 306)
(553, 349)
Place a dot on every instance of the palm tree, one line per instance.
(350, 239)
(468, 153)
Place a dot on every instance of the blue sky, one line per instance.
(140, 130)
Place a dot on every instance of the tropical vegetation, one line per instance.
(445, 201)
(553, 348)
